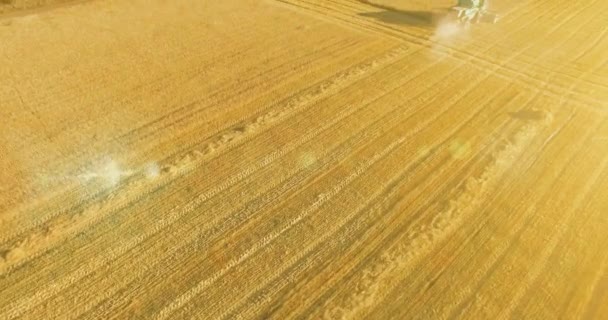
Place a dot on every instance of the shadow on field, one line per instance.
(530, 115)
(401, 17)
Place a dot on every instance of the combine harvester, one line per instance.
(474, 11)
(463, 11)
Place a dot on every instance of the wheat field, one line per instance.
(288, 159)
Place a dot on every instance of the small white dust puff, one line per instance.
(152, 170)
(447, 33)
(446, 30)
(111, 173)
(108, 172)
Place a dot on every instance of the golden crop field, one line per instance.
(318, 159)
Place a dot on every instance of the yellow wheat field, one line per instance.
(287, 159)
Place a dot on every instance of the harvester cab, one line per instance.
(474, 11)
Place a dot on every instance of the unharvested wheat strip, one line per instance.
(595, 54)
(200, 286)
(58, 95)
(479, 221)
(527, 67)
(329, 87)
(569, 89)
(490, 267)
(577, 66)
(182, 232)
(239, 29)
(307, 251)
(571, 209)
(546, 86)
(531, 79)
(601, 94)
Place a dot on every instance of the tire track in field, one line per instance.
(550, 86)
(480, 62)
(516, 70)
